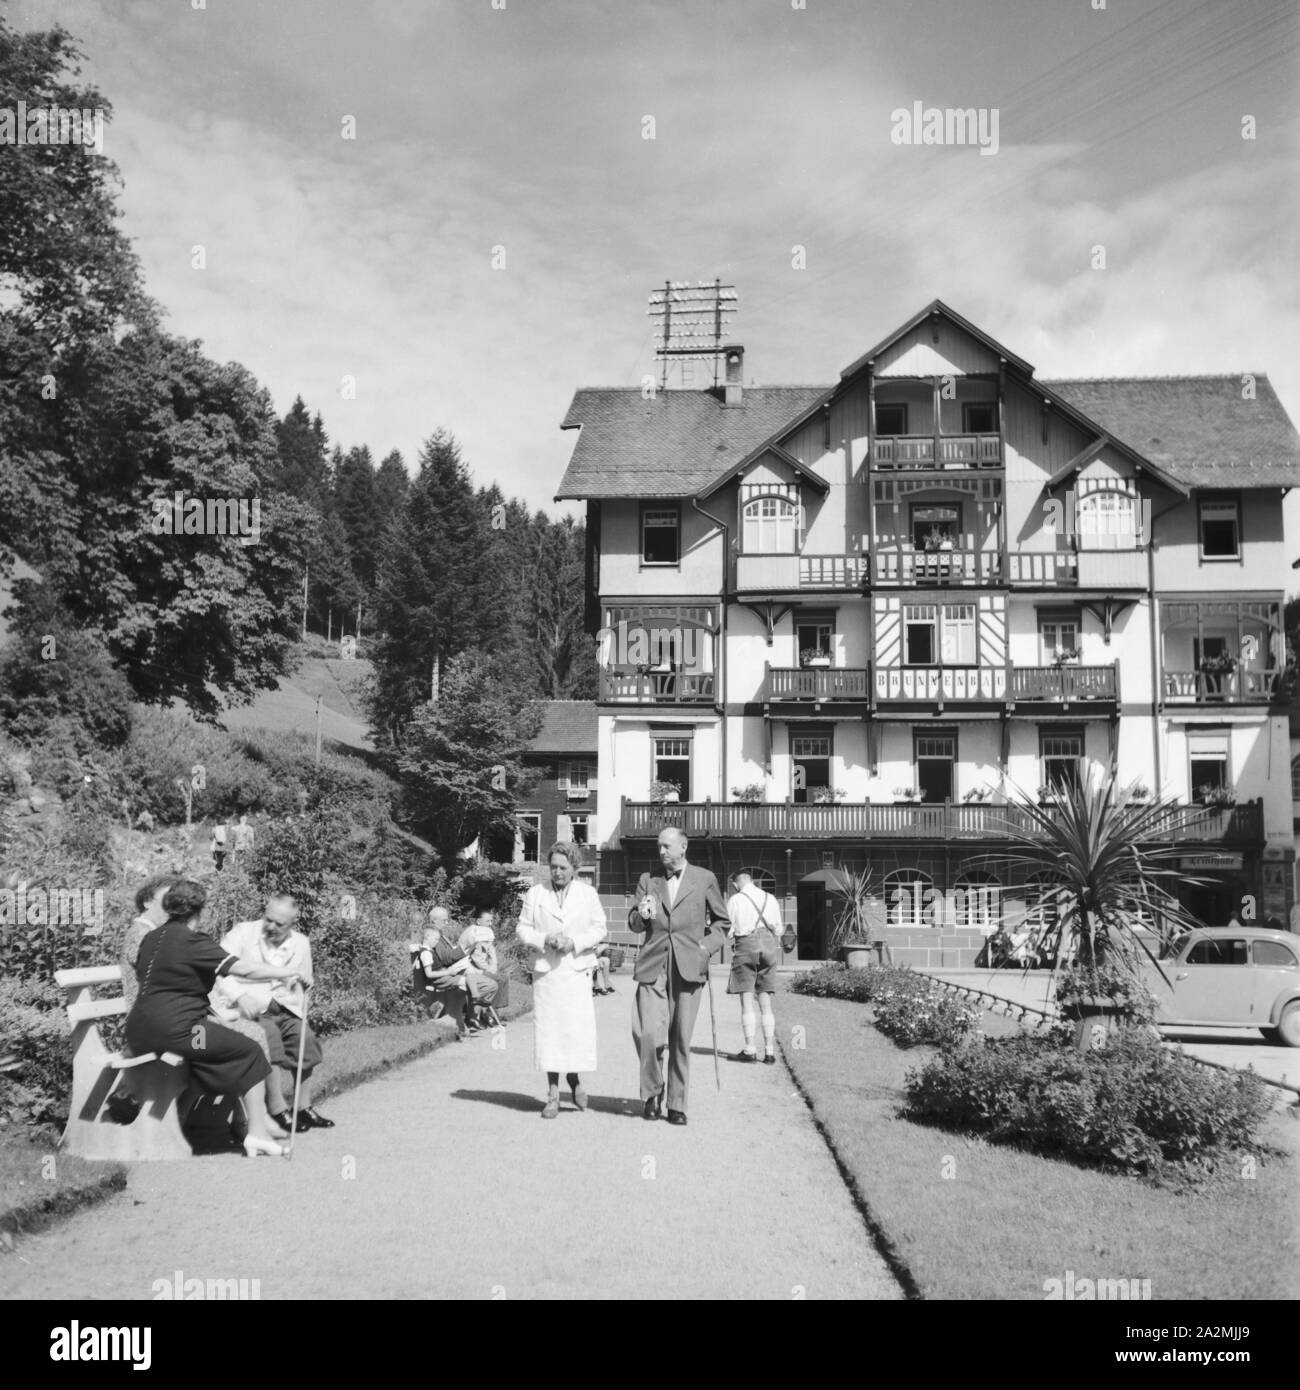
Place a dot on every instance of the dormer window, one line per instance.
(770, 526)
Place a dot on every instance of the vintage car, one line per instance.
(1239, 977)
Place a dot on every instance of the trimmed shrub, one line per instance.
(1135, 1104)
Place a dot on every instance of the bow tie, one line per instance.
(673, 873)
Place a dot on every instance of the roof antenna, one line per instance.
(691, 320)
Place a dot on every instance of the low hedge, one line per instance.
(1135, 1104)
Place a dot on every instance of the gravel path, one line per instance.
(441, 1181)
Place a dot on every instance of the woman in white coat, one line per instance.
(563, 922)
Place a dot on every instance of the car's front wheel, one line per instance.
(1288, 1025)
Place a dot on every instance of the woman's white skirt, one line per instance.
(564, 1021)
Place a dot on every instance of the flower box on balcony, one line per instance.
(1215, 797)
(811, 656)
(822, 796)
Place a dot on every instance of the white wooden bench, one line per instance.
(156, 1082)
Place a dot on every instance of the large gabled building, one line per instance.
(841, 625)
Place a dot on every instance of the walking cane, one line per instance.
(297, 1081)
(713, 1024)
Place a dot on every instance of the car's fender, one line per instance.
(1290, 995)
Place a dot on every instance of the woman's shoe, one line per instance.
(579, 1094)
(268, 1147)
(551, 1109)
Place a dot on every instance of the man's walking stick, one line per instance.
(297, 1081)
(713, 1023)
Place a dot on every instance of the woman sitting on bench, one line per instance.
(177, 966)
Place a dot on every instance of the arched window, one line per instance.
(1108, 520)
(771, 527)
(978, 902)
(763, 878)
(909, 899)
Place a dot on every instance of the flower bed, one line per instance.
(1134, 1104)
(909, 1008)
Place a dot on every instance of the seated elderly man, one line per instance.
(279, 1008)
(453, 977)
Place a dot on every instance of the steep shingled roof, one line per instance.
(1199, 429)
(568, 726)
(671, 445)
(1196, 427)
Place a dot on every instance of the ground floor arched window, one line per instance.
(909, 899)
(978, 902)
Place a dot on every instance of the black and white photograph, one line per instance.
(721, 575)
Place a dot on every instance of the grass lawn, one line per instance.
(964, 1219)
(38, 1184)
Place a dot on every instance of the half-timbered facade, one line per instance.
(842, 626)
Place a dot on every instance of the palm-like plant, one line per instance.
(1107, 859)
(853, 922)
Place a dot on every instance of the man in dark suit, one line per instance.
(676, 910)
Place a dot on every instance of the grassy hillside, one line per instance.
(292, 707)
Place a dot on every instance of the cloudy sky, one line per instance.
(522, 127)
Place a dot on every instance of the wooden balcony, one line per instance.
(817, 683)
(1048, 569)
(1064, 684)
(1239, 687)
(940, 567)
(793, 573)
(928, 451)
(1113, 569)
(942, 820)
(912, 684)
(656, 688)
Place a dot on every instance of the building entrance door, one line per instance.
(813, 919)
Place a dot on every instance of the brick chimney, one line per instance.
(735, 377)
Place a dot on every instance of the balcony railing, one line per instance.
(1113, 569)
(783, 573)
(941, 820)
(1239, 687)
(941, 683)
(817, 683)
(1046, 569)
(656, 688)
(954, 451)
(1063, 684)
(938, 567)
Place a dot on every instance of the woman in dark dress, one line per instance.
(177, 966)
